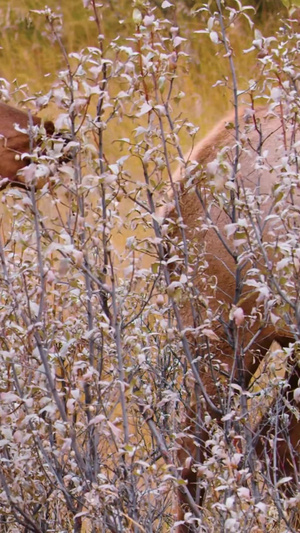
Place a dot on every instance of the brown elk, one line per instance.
(14, 143)
(239, 207)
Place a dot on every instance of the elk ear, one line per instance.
(49, 127)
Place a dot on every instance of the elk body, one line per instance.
(14, 143)
(240, 212)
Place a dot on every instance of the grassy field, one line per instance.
(28, 57)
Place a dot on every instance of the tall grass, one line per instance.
(27, 56)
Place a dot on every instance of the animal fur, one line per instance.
(14, 143)
(213, 197)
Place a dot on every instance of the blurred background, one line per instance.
(26, 56)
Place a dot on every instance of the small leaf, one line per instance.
(283, 480)
(117, 432)
(297, 395)
(177, 41)
(229, 416)
(210, 334)
(97, 420)
(7, 397)
(214, 37)
(137, 16)
(146, 108)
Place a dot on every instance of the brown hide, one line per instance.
(239, 349)
(13, 143)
